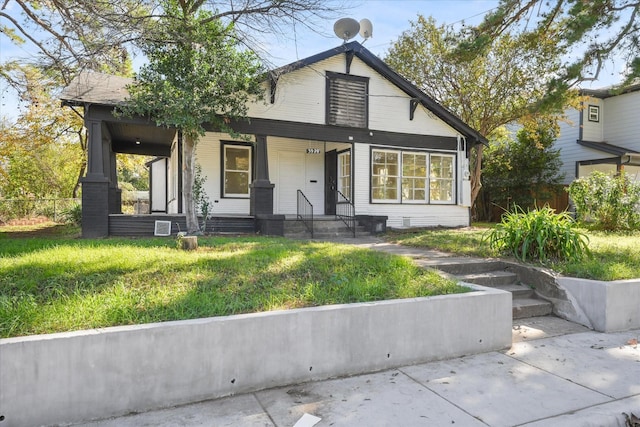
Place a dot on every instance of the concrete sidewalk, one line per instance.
(556, 374)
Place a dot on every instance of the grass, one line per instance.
(56, 282)
(615, 256)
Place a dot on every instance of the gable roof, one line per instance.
(104, 89)
(356, 49)
(92, 87)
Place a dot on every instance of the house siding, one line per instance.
(622, 120)
(593, 131)
(401, 215)
(300, 97)
(570, 151)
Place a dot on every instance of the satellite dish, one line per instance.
(366, 28)
(346, 28)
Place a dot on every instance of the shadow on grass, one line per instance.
(120, 282)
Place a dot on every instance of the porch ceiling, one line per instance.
(153, 140)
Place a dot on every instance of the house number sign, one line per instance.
(313, 151)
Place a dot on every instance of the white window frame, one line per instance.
(342, 176)
(398, 176)
(452, 179)
(593, 113)
(425, 178)
(224, 171)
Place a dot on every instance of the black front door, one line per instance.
(330, 181)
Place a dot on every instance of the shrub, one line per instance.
(539, 235)
(610, 203)
(73, 215)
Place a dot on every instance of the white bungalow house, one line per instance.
(602, 136)
(338, 129)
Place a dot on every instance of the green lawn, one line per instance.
(58, 282)
(615, 256)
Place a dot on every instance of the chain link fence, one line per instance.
(57, 210)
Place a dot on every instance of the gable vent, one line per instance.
(347, 101)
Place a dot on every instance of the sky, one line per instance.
(390, 18)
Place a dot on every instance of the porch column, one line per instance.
(95, 185)
(261, 202)
(261, 189)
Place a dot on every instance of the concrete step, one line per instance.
(531, 307)
(461, 266)
(517, 290)
(491, 278)
(322, 229)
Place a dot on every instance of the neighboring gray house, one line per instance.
(603, 136)
(340, 127)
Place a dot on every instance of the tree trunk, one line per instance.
(476, 174)
(188, 175)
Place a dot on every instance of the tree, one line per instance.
(523, 171)
(42, 153)
(488, 91)
(196, 74)
(592, 32)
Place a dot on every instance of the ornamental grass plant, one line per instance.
(539, 235)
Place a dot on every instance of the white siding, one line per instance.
(592, 131)
(622, 120)
(400, 215)
(570, 151)
(300, 97)
(208, 156)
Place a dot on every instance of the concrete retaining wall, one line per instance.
(603, 306)
(79, 376)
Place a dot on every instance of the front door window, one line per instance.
(344, 174)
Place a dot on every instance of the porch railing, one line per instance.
(346, 211)
(305, 211)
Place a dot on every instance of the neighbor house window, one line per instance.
(347, 100)
(412, 177)
(344, 174)
(236, 170)
(594, 113)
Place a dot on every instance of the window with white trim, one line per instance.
(594, 113)
(384, 176)
(412, 177)
(347, 100)
(441, 178)
(344, 174)
(236, 170)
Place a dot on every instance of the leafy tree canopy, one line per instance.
(487, 91)
(589, 32)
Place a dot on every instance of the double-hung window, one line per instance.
(236, 170)
(385, 171)
(441, 179)
(412, 177)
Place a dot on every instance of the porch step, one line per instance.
(322, 229)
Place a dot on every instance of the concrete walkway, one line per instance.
(556, 373)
